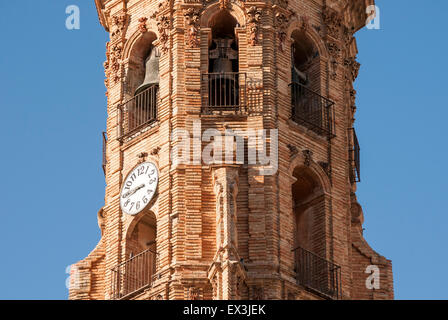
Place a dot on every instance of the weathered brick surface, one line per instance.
(210, 218)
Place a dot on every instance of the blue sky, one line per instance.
(53, 110)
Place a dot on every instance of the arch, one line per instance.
(140, 257)
(236, 11)
(305, 49)
(222, 80)
(222, 24)
(309, 218)
(316, 171)
(305, 66)
(141, 233)
(309, 210)
(310, 191)
(136, 51)
(311, 34)
(136, 41)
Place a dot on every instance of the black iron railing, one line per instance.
(224, 93)
(138, 111)
(318, 274)
(312, 110)
(133, 275)
(103, 165)
(354, 157)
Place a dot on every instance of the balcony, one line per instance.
(311, 110)
(134, 275)
(138, 112)
(354, 157)
(223, 93)
(318, 274)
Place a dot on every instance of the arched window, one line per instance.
(223, 50)
(309, 210)
(143, 236)
(304, 60)
(309, 107)
(137, 271)
(142, 85)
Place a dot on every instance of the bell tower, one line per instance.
(231, 159)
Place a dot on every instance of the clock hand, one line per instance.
(131, 192)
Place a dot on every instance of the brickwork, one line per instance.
(228, 231)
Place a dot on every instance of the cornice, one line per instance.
(356, 9)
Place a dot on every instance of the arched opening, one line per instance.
(142, 85)
(138, 56)
(309, 108)
(304, 60)
(137, 271)
(143, 235)
(223, 25)
(309, 210)
(223, 77)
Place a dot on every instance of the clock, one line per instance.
(139, 188)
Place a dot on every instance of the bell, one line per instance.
(223, 81)
(152, 71)
(223, 56)
(222, 65)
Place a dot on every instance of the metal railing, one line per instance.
(138, 111)
(104, 163)
(224, 93)
(354, 157)
(318, 274)
(133, 275)
(312, 110)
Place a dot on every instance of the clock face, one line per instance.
(139, 188)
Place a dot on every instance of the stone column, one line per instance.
(226, 271)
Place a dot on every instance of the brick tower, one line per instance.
(175, 229)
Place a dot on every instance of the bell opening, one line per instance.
(143, 107)
(223, 77)
(303, 53)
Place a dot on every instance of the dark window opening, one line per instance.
(313, 271)
(309, 108)
(223, 81)
(137, 271)
(141, 109)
